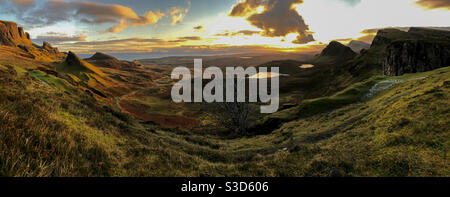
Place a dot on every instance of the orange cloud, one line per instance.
(177, 14)
(149, 18)
(434, 4)
(24, 3)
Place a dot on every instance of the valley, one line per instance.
(340, 110)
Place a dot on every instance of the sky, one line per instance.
(214, 26)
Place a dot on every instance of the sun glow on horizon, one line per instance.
(327, 20)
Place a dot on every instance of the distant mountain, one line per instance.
(357, 46)
(101, 56)
(104, 60)
(335, 52)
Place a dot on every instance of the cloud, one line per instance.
(131, 45)
(177, 14)
(200, 27)
(149, 18)
(195, 38)
(278, 18)
(127, 41)
(246, 32)
(56, 38)
(242, 32)
(434, 4)
(351, 2)
(243, 8)
(185, 39)
(23, 3)
(55, 11)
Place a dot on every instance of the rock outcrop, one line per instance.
(419, 50)
(73, 60)
(13, 35)
(412, 56)
(138, 63)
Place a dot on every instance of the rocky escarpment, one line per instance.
(73, 60)
(421, 50)
(412, 56)
(14, 36)
(386, 36)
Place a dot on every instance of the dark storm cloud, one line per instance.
(279, 18)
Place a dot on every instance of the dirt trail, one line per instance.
(117, 101)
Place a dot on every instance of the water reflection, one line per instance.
(263, 75)
(306, 66)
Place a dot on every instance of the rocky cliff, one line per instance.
(420, 51)
(14, 36)
(412, 56)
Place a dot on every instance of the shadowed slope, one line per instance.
(75, 65)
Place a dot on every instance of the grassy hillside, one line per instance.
(50, 128)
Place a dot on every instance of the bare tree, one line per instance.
(231, 115)
(234, 116)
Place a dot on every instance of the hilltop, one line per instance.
(104, 60)
(335, 52)
(101, 56)
(357, 46)
(75, 65)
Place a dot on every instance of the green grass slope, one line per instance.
(385, 126)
